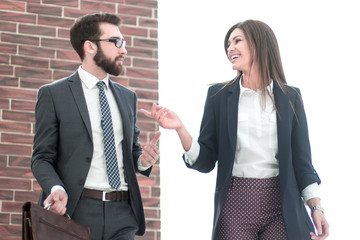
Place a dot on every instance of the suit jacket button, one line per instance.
(82, 182)
(88, 159)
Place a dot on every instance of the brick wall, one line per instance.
(35, 50)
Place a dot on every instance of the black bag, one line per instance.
(41, 224)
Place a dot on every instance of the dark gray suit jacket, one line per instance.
(63, 146)
(217, 141)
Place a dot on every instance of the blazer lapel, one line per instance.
(123, 112)
(282, 116)
(78, 94)
(232, 111)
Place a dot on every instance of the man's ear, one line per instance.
(90, 48)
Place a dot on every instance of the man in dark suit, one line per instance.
(86, 151)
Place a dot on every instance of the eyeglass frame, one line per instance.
(113, 40)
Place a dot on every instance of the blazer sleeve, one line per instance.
(45, 145)
(300, 144)
(207, 137)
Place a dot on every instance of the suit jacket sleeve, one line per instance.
(304, 170)
(45, 142)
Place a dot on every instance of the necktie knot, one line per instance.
(100, 85)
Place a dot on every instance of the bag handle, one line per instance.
(47, 207)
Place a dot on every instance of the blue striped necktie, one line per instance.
(109, 141)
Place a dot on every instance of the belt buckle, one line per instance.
(104, 197)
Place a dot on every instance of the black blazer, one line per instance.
(63, 146)
(217, 141)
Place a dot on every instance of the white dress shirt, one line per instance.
(97, 176)
(256, 146)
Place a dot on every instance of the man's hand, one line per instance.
(58, 201)
(150, 154)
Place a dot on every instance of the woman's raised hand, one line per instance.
(165, 117)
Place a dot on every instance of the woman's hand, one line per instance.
(321, 225)
(165, 117)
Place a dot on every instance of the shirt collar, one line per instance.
(90, 80)
(244, 89)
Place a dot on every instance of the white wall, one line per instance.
(320, 48)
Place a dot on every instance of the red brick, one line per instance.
(4, 103)
(136, 11)
(147, 84)
(99, 6)
(150, 95)
(8, 48)
(152, 213)
(55, 21)
(18, 116)
(58, 74)
(15, 149)
(11, 232)
(36, 186)
(63, 33)
(68, 3)
(18, 17)
(151, 202)
(16, 218)
(134, 31)
(4, 218)
(153, 33)
(30, 61)
(128, 19)
(15, 184)
(19, 161)
(143, 3)
(56, 43)
(33, 83)
(76, 13)
(44, 9)
(140, 52)
(12, 206)
(12, 5)
(68, 55)
(32, 73)
(7, 26)
(6, 70)
(21, 39)
(3, 161)
(23, 196)
(23, 105)
(17, 138)
(36, 51)
(145, 63)
(141, 73)
(4, 59)
(9, 81)
(145, 191)
(148, 22)
(18, 172)
(64, 65)
(146, 126)
(15, 127)
(148, 43)
(7, 195)
(155, 192)
(37, 30)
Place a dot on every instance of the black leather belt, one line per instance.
(106, 196)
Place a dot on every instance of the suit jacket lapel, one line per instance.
(282, 116)
(78, 94)
(123, 112)
(232, 111)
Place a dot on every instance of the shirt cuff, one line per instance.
(311, 191)
(192, 155)
(57, 187)
(141, 168)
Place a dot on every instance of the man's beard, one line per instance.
(106, 64)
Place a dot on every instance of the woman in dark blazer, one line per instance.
(254, 127)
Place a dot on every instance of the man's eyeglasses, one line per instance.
(118, 42)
